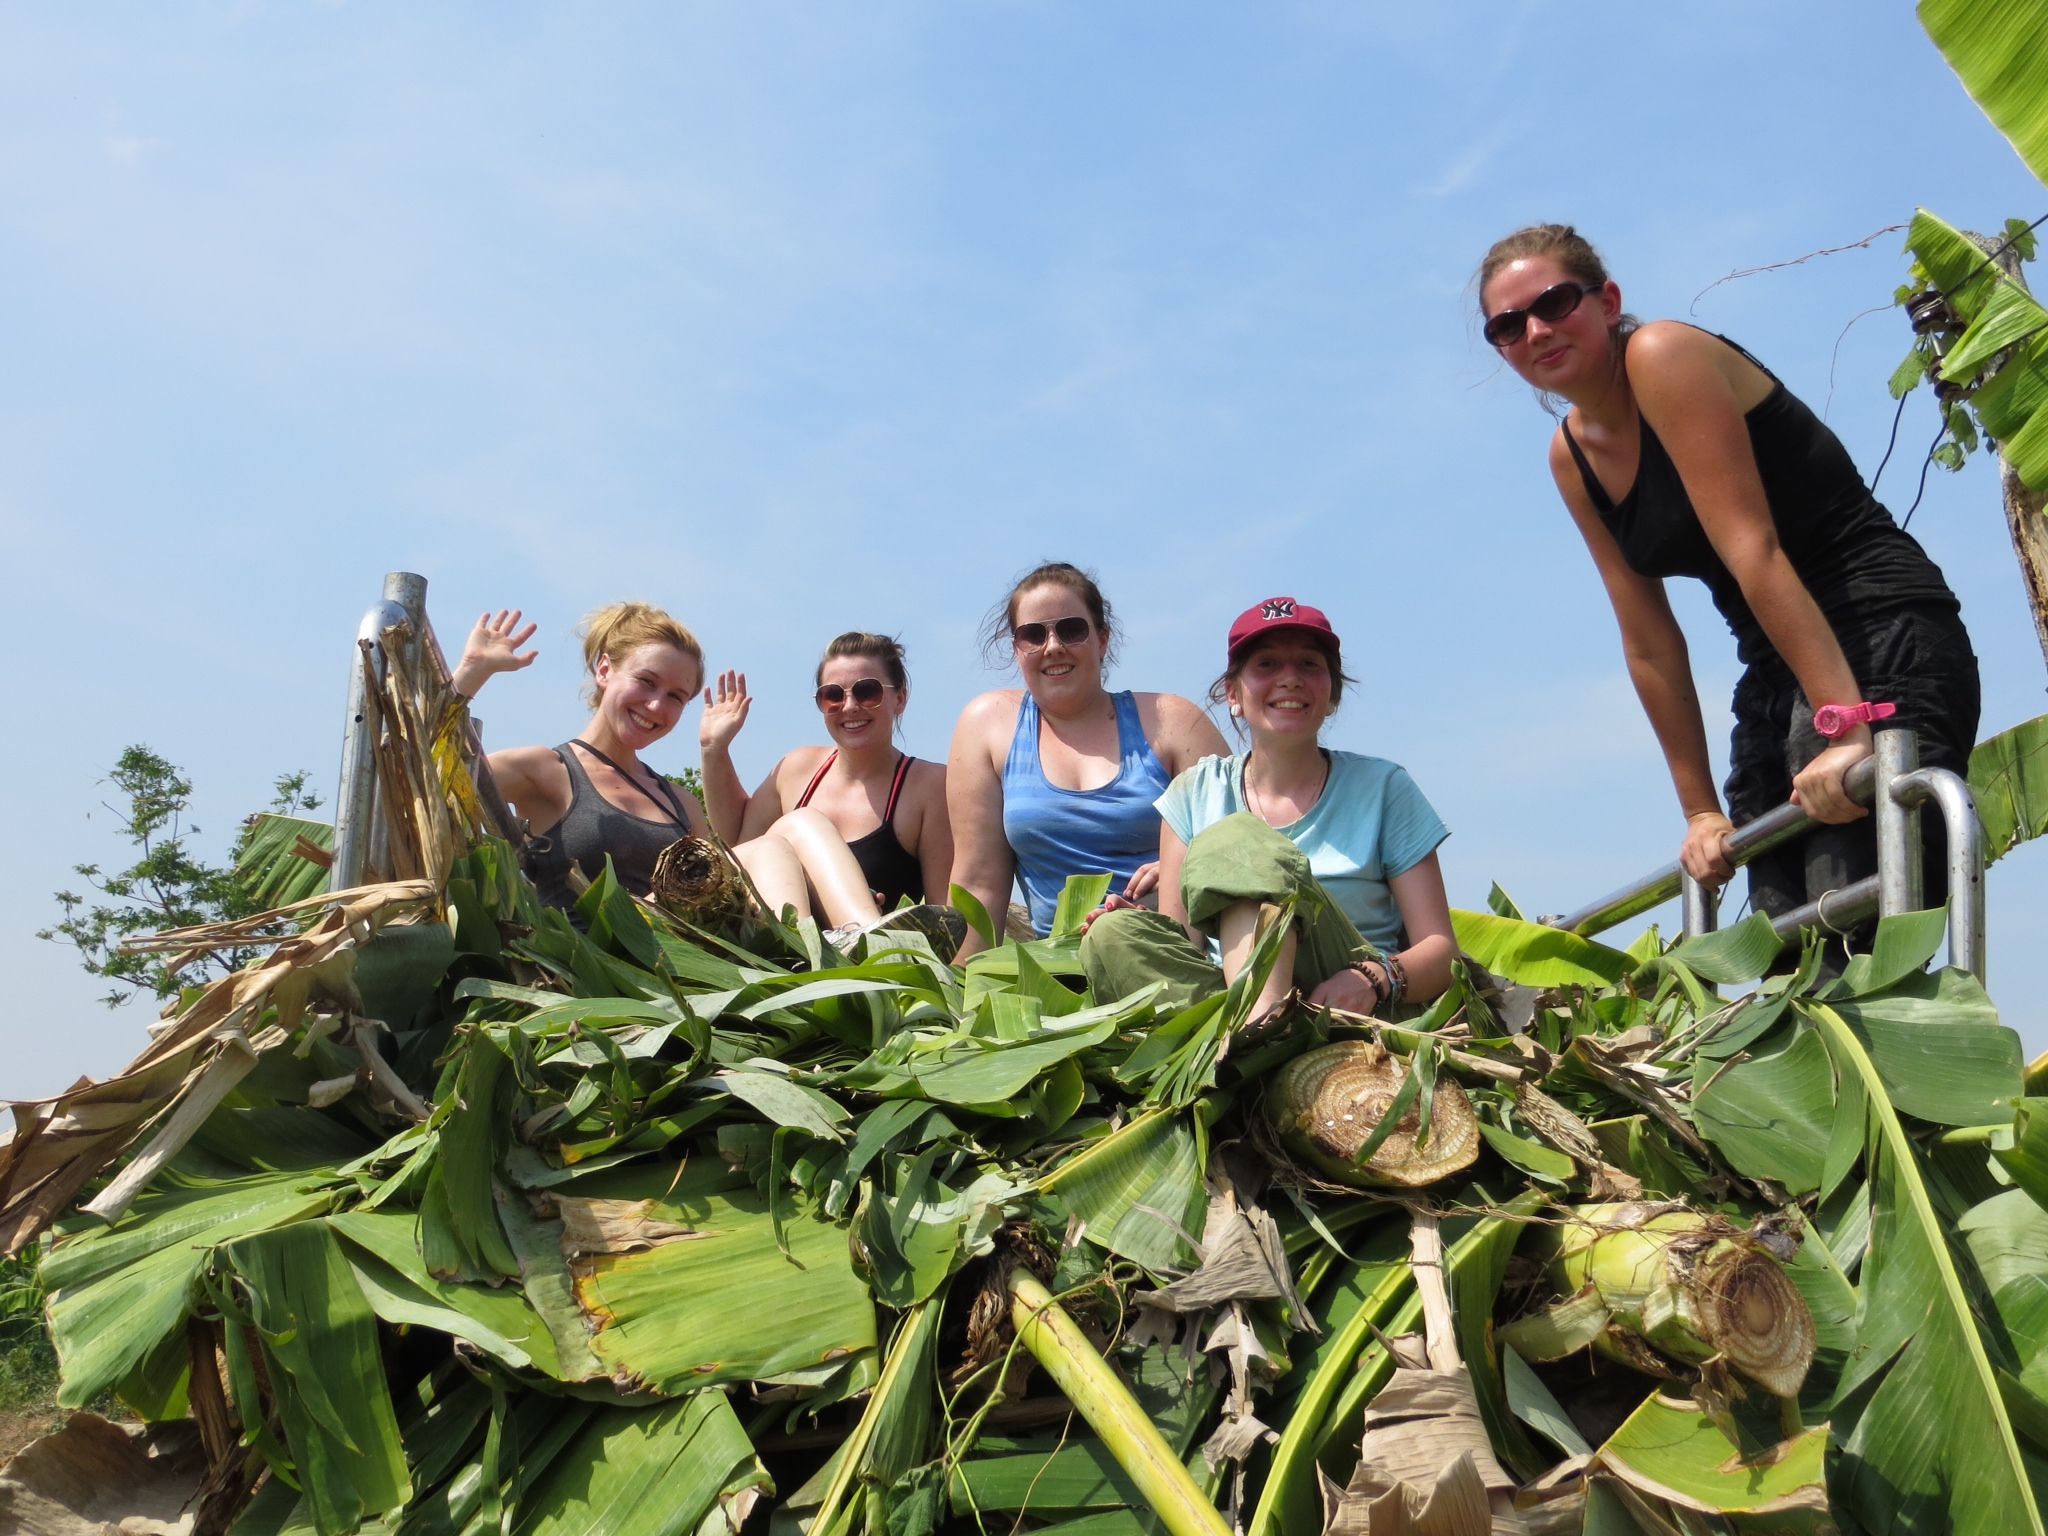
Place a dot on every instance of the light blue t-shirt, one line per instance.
(1371, 824)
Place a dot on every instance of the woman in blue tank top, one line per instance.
(1058, 778)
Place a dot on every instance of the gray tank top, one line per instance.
(593, 828)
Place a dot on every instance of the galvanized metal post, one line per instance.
(405, 602)
(359, 842)
(1951, 794)
(1899, 876)
(1702, 907)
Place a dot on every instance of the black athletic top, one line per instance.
(891, 870)
(1859, 565)
(593, 827)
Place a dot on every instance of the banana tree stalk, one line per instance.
(1692, 1286)
(1092, 1387)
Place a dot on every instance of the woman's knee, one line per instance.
(805, 825)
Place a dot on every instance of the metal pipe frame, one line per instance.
(1950, 794)
(1759, 836)
(1900, 884)
(1897, 887)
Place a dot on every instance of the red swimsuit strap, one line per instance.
(817, 779)
(895, 789)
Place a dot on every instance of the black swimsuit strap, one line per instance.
(1594, 488)
(668, 791)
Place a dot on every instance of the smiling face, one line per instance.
(643, 695)
(1560, 355)
(1060, 674)
(1283, 688)
(853, 726)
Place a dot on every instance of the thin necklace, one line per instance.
(1251, 797)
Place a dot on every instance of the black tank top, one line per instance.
(593, 827)
(1859, 565)
(891, 870)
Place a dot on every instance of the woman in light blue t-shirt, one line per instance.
(1348, 837)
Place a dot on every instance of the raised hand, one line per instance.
(725, 711)
(493, 647)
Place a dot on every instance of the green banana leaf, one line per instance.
(1902, 1465)
(665, 1471)
(269, 867)
(723, 1304)
(384, 1251)
(1769, 1112)
(460, 1234)
(319, 1340)
(2009, 781)
(1533, 1403)
(1674, 1452)
(116, 1293)
(1138, 1191)
(1999, 49)
(2004, 323)
(2008, 1237)
(1938, 1045)
(1079, 1475)
(1533, 955)
(2026, 1159)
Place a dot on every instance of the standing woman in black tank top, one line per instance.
(860, 803)
(1681, 455)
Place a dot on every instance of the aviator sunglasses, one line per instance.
(1549, 306)
(1069, 631)
(868, 691)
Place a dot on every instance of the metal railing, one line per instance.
(361, 834)
(1891, 781)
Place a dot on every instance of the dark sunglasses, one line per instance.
(868, 690)
(1069, 631)
(1549, 306)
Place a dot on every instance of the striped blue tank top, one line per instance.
(1058, 832)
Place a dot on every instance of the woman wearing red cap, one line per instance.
(1348, 838)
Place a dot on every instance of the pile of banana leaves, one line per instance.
(459, 1215)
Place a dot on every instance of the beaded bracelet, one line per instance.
(1397, 978)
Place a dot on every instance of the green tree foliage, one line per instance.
(169, 885)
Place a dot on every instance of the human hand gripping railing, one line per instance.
(1896, 887)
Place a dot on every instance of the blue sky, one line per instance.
(796, 318)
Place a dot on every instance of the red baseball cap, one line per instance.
(1278, 613)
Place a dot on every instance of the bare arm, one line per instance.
(493, 647)
(934, 834)
(764, 805)
(1432, 944)
(1173, 857)
(1180, 734)
(983, 863)
(1684, 388)
(535, 782)
(725, 797)
(1660, 667)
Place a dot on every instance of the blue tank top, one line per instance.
(1058, 832)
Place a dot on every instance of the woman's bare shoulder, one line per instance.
(992, 711)
(527, 760)
(1179, 729)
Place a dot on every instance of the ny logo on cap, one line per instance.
(1277, 608)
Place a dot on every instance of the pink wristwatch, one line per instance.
(1833, 720)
